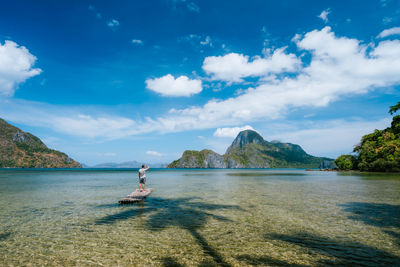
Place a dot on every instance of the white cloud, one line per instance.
(336, 67)
(67, 120)
(330, 138)
(169, 86)
(324, 15)
(113, 24)
(154, 153)
(387, 20)
(197, 41)
(389, 32)
(16, 66)
(234, 67)
(231, 132)
(207, 41)
(137, 42)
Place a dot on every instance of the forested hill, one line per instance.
(19, 149)
(377, 151)
(250, 150)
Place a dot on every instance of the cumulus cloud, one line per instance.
(234, 67)
(231, 132)
(336, 67)
(330, 138)
(16, 66)
(389, 32)
(113, 24)
(169, 86)
(324, 15)
(67, 120)
(154, 153)
(137, 42)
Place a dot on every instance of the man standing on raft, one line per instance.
(142, 177)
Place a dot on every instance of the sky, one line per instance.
(116, 81)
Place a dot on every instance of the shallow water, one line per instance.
(199, 218)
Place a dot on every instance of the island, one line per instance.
(250, 150)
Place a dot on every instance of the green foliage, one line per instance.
(28, 151)
(394, 109)
(378, 151)
(346, 162)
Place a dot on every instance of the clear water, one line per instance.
(199, 218)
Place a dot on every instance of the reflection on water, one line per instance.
(200, 218)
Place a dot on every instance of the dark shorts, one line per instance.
(142, 180)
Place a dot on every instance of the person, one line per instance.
(142, 177)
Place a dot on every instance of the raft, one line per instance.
(135, 196)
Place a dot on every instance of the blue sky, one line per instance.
(114, 81)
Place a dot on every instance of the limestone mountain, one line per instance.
(19, 149)
(250, 150)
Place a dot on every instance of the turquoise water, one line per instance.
(199, 218)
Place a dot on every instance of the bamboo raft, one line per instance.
(135, 196)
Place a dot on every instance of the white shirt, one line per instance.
(142, 173)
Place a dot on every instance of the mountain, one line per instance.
(128, 164)
(19, 149)
(250, 150)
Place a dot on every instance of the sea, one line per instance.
(199, 217)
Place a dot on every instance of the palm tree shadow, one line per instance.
(377, 214)
(189, 214)
(340, 252)
(170, 262)
(265, 260)
(345, 253)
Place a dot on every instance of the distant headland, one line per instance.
(19, 149)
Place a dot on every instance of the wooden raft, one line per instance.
(135, 196)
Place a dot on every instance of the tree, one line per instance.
(377, 151)
(394, 109)
(346, 162)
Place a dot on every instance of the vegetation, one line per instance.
(250, 150)
(377, 151)
(19, 149)
(346, 162)
(191, 159)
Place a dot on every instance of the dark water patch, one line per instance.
(344, 252)
(207, 249)
(190, 216)
(265, 260)
(4, 236)
(376, 214)
(123, 215)
(107, 206)
(186, 213)
(170, 262)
